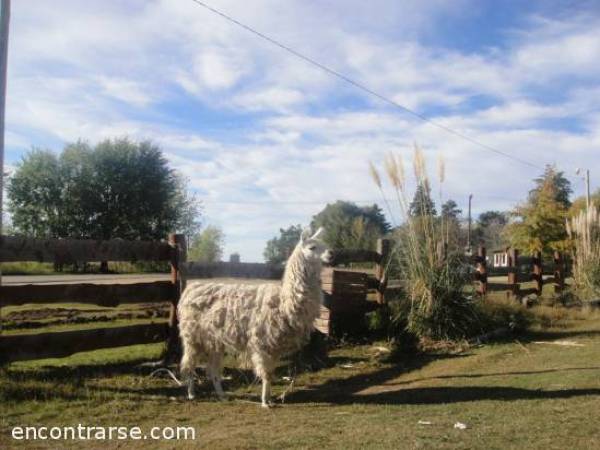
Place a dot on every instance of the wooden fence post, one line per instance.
(178, 256)
(537, 272)
(482, 270)
(513, 264)
(559, 273)
(383, 249)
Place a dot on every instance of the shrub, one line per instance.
(584, 230)
(433, 276)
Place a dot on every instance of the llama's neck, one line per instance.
(302, 279)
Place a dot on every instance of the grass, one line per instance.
(27, 268)
(513, 394)
(37, 268)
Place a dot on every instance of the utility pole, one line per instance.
(4, 22)
(469, 229)
(587, 188)
(586, 178)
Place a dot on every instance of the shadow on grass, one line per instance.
(74, 374)
(559, 334)
(350, 390)
(437, 395)
(77, 382)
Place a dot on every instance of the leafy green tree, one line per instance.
(35, 195)
(450, 210)
(490, 229)
(450, 223)
(119, 188)
(278, 249)
(207, 247)
(561, 185)
(422, 204)
(348, 225)
(540, 224)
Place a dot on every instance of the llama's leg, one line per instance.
(263, 367)
(214, 368)
(188, 367)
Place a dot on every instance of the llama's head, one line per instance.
(313, 248)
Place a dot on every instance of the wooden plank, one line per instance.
(494, 287)
(322, 325)
(356, 256)
(373, 283)
(324, 313)
(529, 291)
(501, 271)
(330, 275)
(65, 251)
(348, 293)
(96, 294)
(65, 343)
(526, 260)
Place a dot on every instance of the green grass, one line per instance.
(27, 268)
(514, 394)
(37, 268)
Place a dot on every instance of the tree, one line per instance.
(207, 247)
(348, 225)
(540, 222)
(35, 197)
(278, 249)
(119, 188)
(422, 204)
(450, 210)
(561, 185)
(490, 229)
(450, 223)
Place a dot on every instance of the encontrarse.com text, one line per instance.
(83, 432)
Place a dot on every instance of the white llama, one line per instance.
(265, 320)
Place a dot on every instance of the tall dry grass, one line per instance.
(584, 231)
(434, 279)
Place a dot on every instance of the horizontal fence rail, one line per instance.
(68, 251)
(95, 294)
(191, 270)
(519, 269)
(59, 344)
(356, 256)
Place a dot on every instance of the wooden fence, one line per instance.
(346, 291)
(520, 269)
(64, 251)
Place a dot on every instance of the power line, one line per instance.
(362, 87)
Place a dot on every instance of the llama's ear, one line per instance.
(305, 236)
(317, 233)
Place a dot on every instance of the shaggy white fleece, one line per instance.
(263, 320)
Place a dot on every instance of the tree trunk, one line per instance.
(104, 267)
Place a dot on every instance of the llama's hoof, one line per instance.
(268, 405)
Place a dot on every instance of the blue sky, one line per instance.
(267, 140)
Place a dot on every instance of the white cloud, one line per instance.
(128, 91)
(250, 124)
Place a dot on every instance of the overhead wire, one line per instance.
(363, 87)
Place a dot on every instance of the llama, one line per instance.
(264, 320)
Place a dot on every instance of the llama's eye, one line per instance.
(312, 247)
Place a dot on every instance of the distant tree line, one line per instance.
(537, 224)
(117, 188)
